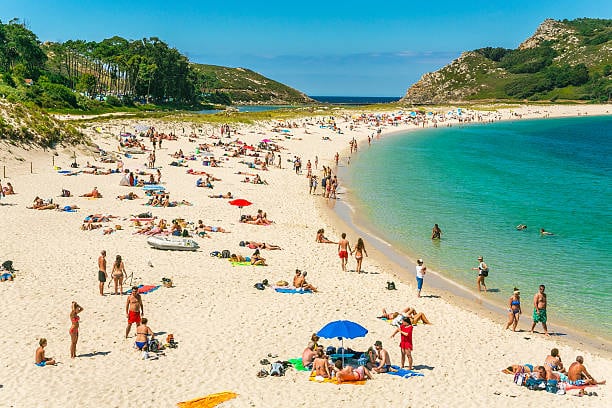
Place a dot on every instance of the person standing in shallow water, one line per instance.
(420, 275)
(436, 232)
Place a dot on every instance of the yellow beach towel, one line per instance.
(334, 380)
(208, 401)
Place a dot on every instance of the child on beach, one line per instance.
(40, 359)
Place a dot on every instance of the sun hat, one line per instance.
(378, 343)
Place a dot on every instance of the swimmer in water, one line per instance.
(521, 227)
(543, 232)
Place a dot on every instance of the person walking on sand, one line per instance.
(483, 272)
(420, 275)
(539, 310)
(405, 329)
(74, 328)
(134, 309)
(118, 274)
(343, 249)
(359, 252)
(514, 310)
(102, 275)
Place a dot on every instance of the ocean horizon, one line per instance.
(478, 182)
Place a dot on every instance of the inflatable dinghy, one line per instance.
(173, 243)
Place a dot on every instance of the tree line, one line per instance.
(117, 70)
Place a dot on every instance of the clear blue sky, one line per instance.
(356, 48)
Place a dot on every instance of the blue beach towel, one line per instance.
(64, 171)
(402, 372)
(288, 290)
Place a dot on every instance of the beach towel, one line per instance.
(208, 401)
(334, 380)
(402, 372)
(292, 290)
(297, 364)
(68, 209)
(144, 289)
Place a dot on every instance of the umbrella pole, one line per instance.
(343, 352)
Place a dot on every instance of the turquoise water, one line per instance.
(478, 182)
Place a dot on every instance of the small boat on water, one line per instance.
(172, 243)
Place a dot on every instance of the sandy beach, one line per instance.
(223, 325)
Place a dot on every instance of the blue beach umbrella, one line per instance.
(342, 329)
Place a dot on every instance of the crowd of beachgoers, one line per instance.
(272, 268)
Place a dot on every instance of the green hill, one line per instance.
(247, 87)
(563, 60)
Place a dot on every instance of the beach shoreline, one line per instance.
(344, 214)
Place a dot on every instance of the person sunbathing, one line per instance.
(349, 373)
(49, 206)
(228, 195)
(90, 225)
(257, 259)
(407, 312)
(321, 239)
(299, 281)
(208, 228)
(320, 365)
(38, 202)
(129, 196)
(236, 258)
(94, 193)
(8, 189)
(261, 245)
(518, 368)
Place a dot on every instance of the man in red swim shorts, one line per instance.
(343, 250)
(133, 309)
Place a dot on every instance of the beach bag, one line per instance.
(330, 350)
(277, 369)
(484, 272)
(7, 266)
(154, 345)
(259, 286)
(519, 378)
(225, 253)
(242, 243)
(390, 285)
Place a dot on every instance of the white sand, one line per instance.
(223, 325)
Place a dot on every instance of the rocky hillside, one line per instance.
(562, 60)
(248, 87)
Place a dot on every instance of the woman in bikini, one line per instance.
(321, 239)
(74, 328)
(142, 334)
(359, 251)
(118, 273)
(514, 309)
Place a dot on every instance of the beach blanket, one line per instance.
(208, 401)
(334, 380)
(144, 289)
(297, 364)
(292, 290)
(402, 372)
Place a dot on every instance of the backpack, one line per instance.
(154, 345)
(390, 285)
(277, 369)
(225, 253)
(259, 286)
(8, 266)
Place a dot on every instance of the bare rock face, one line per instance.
(549, 30)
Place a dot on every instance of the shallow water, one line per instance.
(478, 182)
